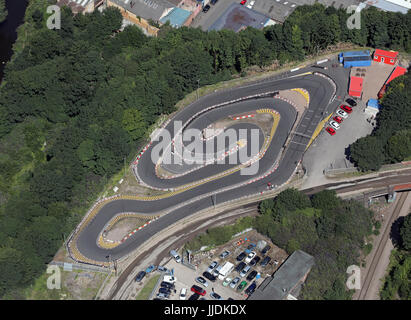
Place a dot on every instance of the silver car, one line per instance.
(234, 282)
(202, 281)
(211, 267)
(245, 271)
(342, 113)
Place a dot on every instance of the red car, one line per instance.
(346, 108)
(243, 2)
(330, 130)
(198, 290)
(338, 119)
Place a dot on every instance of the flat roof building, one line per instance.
(285, 283)
(356, 84)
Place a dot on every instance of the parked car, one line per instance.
(209, 276)
(251, 4)
(250, 256)
(330, 130)
(265, 250)
(164, 290)
(226, 281)
(338, 119)
(242, 285)
(215, 296)
(151, 268)
(225, 254)
(169, 279)
(351, 102)
(241, 256)
(243, 2)
(255, 260)
(265, 261)
(167, 285)
(162, 269)
(162, 296)
(140, 276)
(213, 2)
(334, 125)
(198, 290)
(206, 8)
(234, 282)
(245, 271)
(346, 108)
(194, 296)
(211, 267)
(202, 281)
(251, 275)
(342, 113)
(183, 293)
(240, 266)
(251, 288)
(216, 271)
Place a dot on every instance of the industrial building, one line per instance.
(286, 282)
(401, 6)
(80, 6)
(355, 58)
(356, 85)
(141, 12)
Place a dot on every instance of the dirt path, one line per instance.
(378, 260)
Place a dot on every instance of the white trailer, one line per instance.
(225, 270)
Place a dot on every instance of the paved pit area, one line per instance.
(331, 151)
(186, 276)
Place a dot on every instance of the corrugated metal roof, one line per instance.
(386, 53)
(286, 278)
(146, 9)
(387, 6)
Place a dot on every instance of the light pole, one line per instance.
(198, 86)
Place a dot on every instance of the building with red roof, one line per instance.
(356, 84)
(387, 57)
(398, 71)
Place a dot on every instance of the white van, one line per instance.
(175, 255)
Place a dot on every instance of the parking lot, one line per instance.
(331, 151)
(185, 276)
(277, 10)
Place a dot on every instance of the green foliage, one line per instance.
(219, 235)
(330, 229)
(76, 101)
(390, 142)
(405, 232)
(397, 282)
(3, 11)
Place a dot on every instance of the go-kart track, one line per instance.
(192, 191)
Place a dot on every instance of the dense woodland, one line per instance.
(3, 10)
(75, 102)
(333, 231)
(397, 284)
(390, 141)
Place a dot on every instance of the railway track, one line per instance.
(381, 245)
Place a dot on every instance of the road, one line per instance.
(229, 187)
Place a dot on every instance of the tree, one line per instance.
(399, 145)
(134, 123)
(367, 153)
(3, 11)
(405, 232)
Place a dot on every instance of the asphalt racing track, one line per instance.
(321, 92)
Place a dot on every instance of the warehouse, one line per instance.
(356, 84)
(355, 58)
(285, 284)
